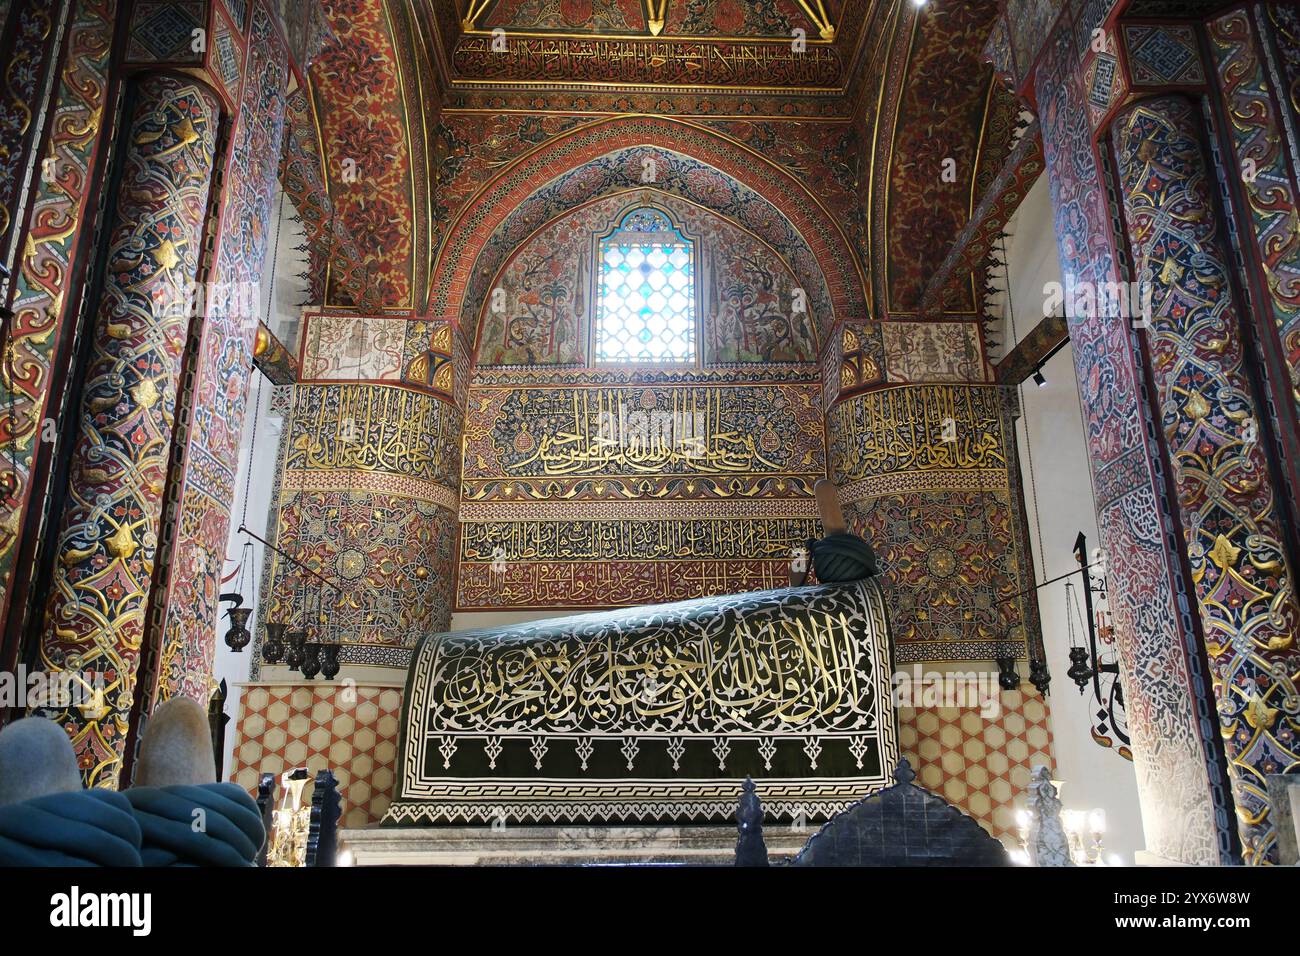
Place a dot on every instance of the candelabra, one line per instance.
(291, 823)
(1084, 831)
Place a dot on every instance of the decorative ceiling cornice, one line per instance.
(793, 47)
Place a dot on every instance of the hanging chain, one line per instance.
(1071, 608)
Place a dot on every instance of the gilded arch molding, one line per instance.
(605, 157)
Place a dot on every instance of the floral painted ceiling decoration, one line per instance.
(416, 114)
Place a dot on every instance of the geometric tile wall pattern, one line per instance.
(977, 764)
(322, 726)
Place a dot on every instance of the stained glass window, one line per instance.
(646, 310)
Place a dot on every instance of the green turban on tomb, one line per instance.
(79, 828)
(212, 824)
(842, 557)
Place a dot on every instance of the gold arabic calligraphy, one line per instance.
(776, 674)
(610, 435)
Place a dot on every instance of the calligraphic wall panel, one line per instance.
(923, 472)
(600, 495)
(367, 500)
(641, 60)
(652, 714)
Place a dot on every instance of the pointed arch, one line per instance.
(689, 160)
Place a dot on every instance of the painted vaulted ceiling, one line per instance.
(421, 114)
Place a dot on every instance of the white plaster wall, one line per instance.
(281, 311)
(231, 666)
(1054, 464)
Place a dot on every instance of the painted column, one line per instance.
(109, 530)
(1256, 56)
(1186, 807)
(1211, 422)
(368, 486)
(183, 615)
(45, 284)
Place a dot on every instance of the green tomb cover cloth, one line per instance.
(652, 714)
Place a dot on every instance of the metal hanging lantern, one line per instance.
(329, 660)
(238, 635)
(296, 651)
(273, 646)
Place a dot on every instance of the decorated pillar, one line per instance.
(367, 487)
(1189, 400)
(45, 291)
(1182, 787)
(1212, 424)
(1256, 58)
(108, 535)
(922, 448)
(182, 623)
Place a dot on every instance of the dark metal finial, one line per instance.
(904, 773)
(751, 850)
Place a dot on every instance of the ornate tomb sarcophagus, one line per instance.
(652, 714)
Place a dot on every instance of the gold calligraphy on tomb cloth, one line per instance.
(653, 713)
(772, 676)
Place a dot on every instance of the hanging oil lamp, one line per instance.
(296, 650)
(329, 660)
(273, 646)
(310, 666)
(238, 636)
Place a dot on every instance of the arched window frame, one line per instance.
(626, 231)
